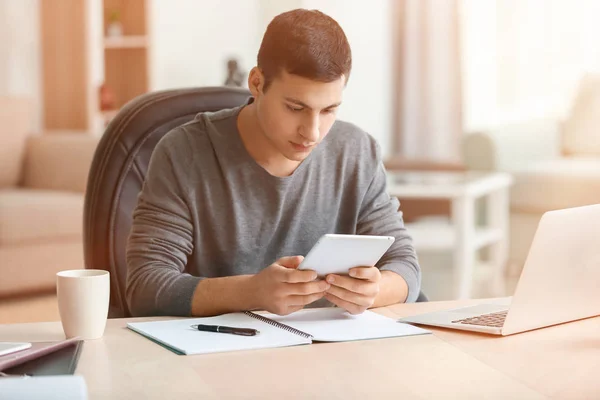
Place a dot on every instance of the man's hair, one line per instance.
(306, 43)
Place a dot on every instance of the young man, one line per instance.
(232, 198)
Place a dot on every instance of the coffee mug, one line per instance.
(83, 297)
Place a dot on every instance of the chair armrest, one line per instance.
(513, 147)
(59, 161)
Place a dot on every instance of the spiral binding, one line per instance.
(278, 324)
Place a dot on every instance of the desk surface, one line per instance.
(561, 362)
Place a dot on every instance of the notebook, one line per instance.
(301, 327)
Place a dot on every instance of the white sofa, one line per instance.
(556, 164)
(42, 182)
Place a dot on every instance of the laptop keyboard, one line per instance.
(494, 320)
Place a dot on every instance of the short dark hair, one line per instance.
(307, 43)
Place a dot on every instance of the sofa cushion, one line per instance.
(28, 216)
(15, 124)
(58, 161)
(31, 268)
(581, 130)
(556, 184)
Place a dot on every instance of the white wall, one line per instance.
(368, 99)
(193, 38)
(269, 9)
(20, 52)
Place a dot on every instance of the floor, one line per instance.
(436, 284)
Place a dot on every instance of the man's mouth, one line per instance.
(301, 147)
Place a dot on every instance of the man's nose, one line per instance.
(311, 129)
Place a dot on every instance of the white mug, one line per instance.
(83, 297)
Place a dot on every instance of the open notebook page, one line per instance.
(336, 325)
(178, 335)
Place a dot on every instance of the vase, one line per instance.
(114, 29)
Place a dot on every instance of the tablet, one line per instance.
(336, 254)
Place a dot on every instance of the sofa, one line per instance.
(42, 183)
(555, 163)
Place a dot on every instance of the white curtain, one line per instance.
(428, 81)
(524, 59)
(20, 52)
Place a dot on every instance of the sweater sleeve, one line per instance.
(379, 216)
(160, 241)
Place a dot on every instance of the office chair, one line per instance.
(119, 167)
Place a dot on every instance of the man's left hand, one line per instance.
(354, 293)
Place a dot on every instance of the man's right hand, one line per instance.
(282, 289)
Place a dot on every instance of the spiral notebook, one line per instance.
(301, 327)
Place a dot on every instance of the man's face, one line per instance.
(296, 113)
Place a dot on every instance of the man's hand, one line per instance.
(282, 289)
(354, 293)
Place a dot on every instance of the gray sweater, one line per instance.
(207, 209)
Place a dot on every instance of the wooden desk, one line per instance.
(561, 361)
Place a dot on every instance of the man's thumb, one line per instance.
(290, 262)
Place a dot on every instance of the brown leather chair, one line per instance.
(119, 168)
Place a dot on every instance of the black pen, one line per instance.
(226, 329)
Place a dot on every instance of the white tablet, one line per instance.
(336, 254)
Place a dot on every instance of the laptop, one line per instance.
(559, 282)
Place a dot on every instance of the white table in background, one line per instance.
(463, 236)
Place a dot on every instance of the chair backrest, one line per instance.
(119, 167)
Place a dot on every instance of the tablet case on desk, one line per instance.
(47, 358)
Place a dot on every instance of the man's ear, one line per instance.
(256, 81)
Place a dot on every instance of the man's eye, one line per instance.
(295, 109)
(328, 110)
